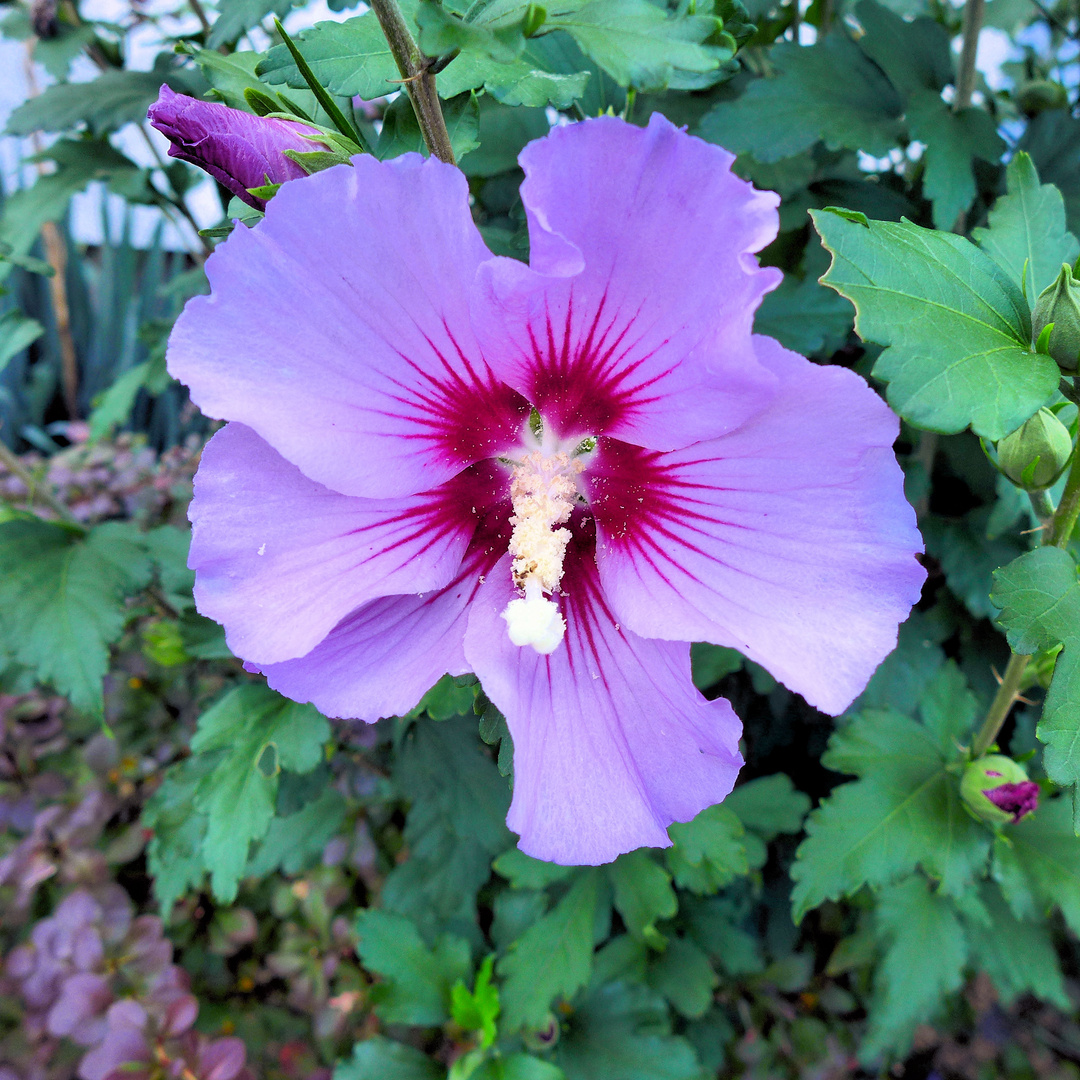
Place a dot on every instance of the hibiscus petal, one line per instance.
(280, 559)
(339, 330)
(612, 742)
(789, 539)
(383, 658)
(634, 316)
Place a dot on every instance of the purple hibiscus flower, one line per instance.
(238, 149)
(554, 475)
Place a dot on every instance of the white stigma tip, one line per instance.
(535, 621)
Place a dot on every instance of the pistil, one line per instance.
(543, 492)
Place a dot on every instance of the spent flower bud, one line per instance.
(996, 789)
(1036, 454)
(1059, 304)
(238, 149)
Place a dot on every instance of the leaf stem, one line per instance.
(965, 76)
(417, 77)
(1068, 509)
(1000, 706)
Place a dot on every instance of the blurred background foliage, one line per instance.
(198, 878)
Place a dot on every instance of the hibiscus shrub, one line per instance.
(627, 625)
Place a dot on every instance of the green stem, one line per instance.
(34, 491)
(1043, 505)
(1062, 523)
(1069, 507)
(965, 78)
(1002, 703)
(417, 78)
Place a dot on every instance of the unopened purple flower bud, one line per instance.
(238, 149)
(997, 789)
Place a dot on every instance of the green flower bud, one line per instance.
(1035, 455)
(1041, 94)
(996, 789)
(542, 1038)
(1059, 304)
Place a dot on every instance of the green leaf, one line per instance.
(1019, 956)
(915, 55)
(113, 99)
(1026, 235)
(446, 699)
(454, 828)
(639, 44)
(417, 980)
(238, 16)
(504, 132)
(904, 812)
(174, 854)
(379, 1058)
(710, 663)
(56, 53)
(553, 958)
(351, 59)
(643, 894)
(769, 805)
(478, 1010)
(623, 1032)
(17, 331)
(906, 672)
(924, 960)
(969, 557)
(708, 852)
(80, 162)
(804, 316)
(1040, 600)
(497, 34)
(254, 733)
(806, 101)
(62, 600)
(957, 330)
(683, 974)
(296, 842)
(1037, 864)
(517, 1067)
(525, 872)
(953, 140)
(401, 131)
(535, 78)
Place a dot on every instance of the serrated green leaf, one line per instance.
(351, 59)
(113, 99)
(517, 1067)
(379, 1058)
(17, 331)
(253, 732)
(1040, 600)
(454, 827)
(62, 600)
(534, 79)
(643, 894)
(477, 1010)
(500, 37)
(417, 980)
(504, 132)
(923, 962)
(805, 102)
(769, 805)
(525, 872)
(804, 316)
(552, 959)
(236, 17)
(708, 852)
(1037, 865)
(949, 710)
(1019, 956)
(905, 673)
(915, 55)
(957, 330)
(904, 812)
(623, 1032)
(640, 44)
(174, 854)
(1026, 235)
(683, 974)
(295, 842)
